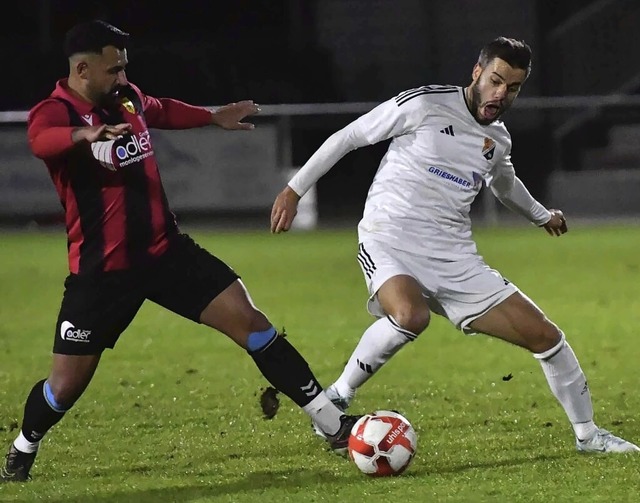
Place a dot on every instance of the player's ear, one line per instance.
(79, 66)
(477, 70)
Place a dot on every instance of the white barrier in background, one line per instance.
(204, 171)
(307, 217)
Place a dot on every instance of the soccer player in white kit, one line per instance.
(415, 242)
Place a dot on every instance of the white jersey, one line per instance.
(439, 155)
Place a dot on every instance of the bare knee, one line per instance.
(414, 318)
(548, 337)
(70, 375)
(65, 390)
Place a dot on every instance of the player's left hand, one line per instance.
(557, 224)
(230, 116)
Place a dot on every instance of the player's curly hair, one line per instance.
(93, 36)
(515, 52)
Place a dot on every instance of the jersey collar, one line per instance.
(62, 91)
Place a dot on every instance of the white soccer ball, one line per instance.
(382, 443)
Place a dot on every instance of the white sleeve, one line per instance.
(511, 192)
(103, 152)
(385, 121)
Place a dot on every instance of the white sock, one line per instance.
(569, 385)
(378, 344)
(23, 445)
(324, 413)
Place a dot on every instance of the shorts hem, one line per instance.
(464, 324)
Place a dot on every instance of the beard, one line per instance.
(476, 104)
(110, 99)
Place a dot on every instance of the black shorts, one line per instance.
(96, 309)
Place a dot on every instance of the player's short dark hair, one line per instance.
(515, 52)
(93, 36)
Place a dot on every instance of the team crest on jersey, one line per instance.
(488, 148)
(128, 105)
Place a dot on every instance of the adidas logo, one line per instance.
(365, 367)
(448, 130)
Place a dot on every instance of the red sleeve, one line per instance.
(48, 129)
(167, 113)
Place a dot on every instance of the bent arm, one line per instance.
(49, 132)
(511, 192)
(330, 152)
(385, 121)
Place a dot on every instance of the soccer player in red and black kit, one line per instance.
(124, 244)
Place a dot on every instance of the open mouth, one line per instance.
(490, 111)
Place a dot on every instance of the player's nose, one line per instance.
(500, 92)
(122, 79)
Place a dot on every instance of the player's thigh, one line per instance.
(233, 313)
(94, 312)
(188, 280)
(518, 320)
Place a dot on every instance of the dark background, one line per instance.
(315, 51)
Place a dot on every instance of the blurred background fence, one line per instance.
(315, 65)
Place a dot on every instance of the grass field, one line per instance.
(173, 414)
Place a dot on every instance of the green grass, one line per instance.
(173, 413)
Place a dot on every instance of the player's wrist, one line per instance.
(79, 134)
(291, 192)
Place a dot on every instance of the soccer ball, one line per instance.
(382, 443)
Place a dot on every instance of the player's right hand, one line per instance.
(284, 210)
(103, 132)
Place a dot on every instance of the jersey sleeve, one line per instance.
(387, 120)
(169, 113)
(511, 192)
(49, 130)
(394, 117)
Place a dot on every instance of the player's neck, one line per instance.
(468, 99)
(77, 89)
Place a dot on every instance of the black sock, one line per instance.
(39, 416)
(287, 371)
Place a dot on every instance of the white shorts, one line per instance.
(461, 290)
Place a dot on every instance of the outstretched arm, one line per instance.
(387, 120)
(330, 152)
(167, 113)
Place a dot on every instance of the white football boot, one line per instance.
(606, 442)
(339, 401)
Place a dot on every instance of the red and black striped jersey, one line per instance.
(117, 216)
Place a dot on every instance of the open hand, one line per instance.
(103, 132)
(230, 116)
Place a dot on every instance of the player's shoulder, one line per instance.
(499, 131)
(427, 95)
(53, 108)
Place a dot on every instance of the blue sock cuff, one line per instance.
(260, 340)
(48, 396)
